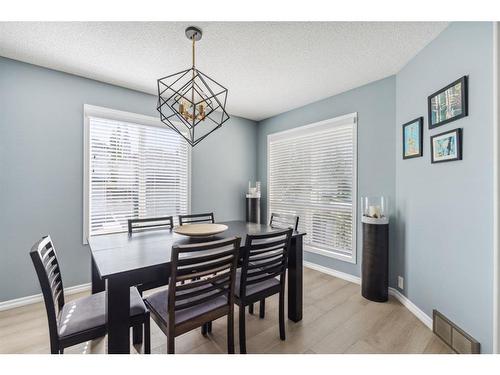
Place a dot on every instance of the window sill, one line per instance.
(331, 254)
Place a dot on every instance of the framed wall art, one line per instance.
(448, 104)
(446, 146)
(413, 138)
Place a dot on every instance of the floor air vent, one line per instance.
(454, 336)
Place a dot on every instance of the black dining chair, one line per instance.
(284, 221)
(82, 319)
(200, 289)
(206, 218)
(140, 225)
(262, 274)
(197, 218)
(135, 225)
(278, 221)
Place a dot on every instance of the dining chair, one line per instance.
(166, 222)
(139, 225)
(197, 218)
(278, 221)
(200, 289)
(82, 319)
(284, 221)
(262, 274)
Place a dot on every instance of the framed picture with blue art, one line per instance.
(413, 138)
(448, 104)
(446, 146)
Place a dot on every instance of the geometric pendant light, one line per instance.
(190, 102)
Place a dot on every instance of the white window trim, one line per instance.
(302, 130)
(112, 114)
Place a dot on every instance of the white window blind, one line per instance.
(135, 171)
(312, 174)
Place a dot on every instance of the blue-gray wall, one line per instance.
(41, 167)
(222, 165)
(445, 211)
(375, 105)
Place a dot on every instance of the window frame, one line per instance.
(304, 130)
(116, 115)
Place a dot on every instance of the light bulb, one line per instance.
(184, 107)
(201, 110)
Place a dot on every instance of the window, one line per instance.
(134, 168)
(312, 174)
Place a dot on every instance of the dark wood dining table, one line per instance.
(120, 261)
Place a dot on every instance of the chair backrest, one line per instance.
(265, 257)
(201, 272)
(166, 222)
(197, 218)
(43, 255)
(284, 221)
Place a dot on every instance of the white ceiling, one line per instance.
(268, 67)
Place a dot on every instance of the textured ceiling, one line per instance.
(268, 67)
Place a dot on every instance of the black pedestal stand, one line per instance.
(253, 210)
(375, 265)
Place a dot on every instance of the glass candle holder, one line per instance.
(374, 207)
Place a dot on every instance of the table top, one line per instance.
(118, 253)
(200, 230)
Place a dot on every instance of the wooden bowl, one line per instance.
(200, 230)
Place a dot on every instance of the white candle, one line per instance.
(374, 211)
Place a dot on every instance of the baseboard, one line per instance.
(423, 317)
(332, 272)
(23, 301)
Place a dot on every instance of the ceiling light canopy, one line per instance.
(190, 102)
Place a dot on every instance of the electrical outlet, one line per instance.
(401, 282)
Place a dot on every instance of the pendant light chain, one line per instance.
(192, 89)
(193, 48)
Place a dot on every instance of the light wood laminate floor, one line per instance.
(337, 319)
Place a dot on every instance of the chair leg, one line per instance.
(250, 308)
(209, 327)
(243, 343)
(282, 314)
(147, 336)
(137, 330)
(137, 334)
(262, 308)
(204, 329)
(54, 346)
(171, 344)
(230, 333)
(61, 351)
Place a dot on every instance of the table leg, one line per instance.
(117, 313)
(295, 272)
(98, 284)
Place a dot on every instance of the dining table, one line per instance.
(120, 261)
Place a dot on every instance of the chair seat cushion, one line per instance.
(90, 312)
(254, 288)
(158, 305)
